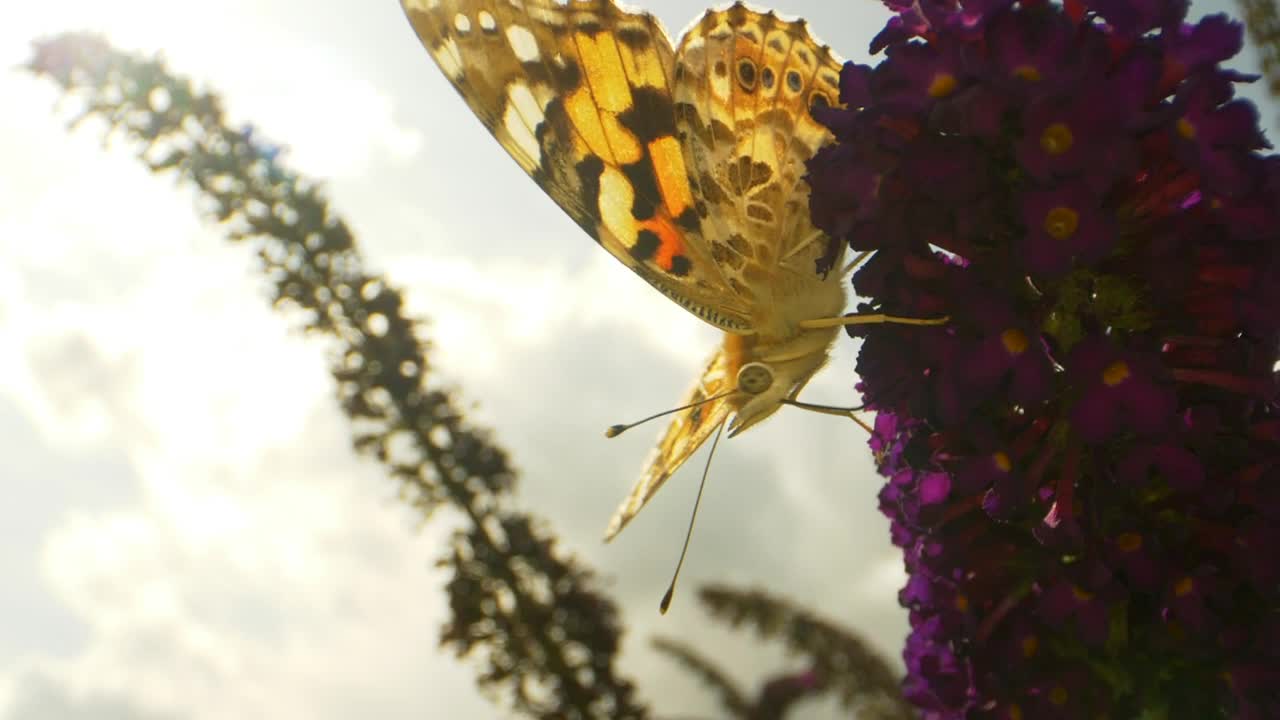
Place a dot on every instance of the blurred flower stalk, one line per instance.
(1084, 464)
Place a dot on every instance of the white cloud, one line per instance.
(37, 695)
(292, 85)
(273, 588)
(255, 553)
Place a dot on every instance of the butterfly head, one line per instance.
(772, 372)
(759, 395)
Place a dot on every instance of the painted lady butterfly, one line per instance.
(685, 163)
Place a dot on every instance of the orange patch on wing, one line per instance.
(670, 240)
(673, 178)
(745, 47)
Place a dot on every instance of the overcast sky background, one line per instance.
(185, 531)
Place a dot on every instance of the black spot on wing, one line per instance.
(645, 185)
(651, 115)
(536, 71)
(723, 255)
(646, 246)
(722, 133)
(589, 171)
(711, 190)
(740, 245)
(566, 75)
(689, 220)
(747, 74)
(636, 38)
(553, 116)
(794, 82)
(680, 266)
(759, 212)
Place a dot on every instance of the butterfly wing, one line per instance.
(686, 433)
(744, 83)
(579, 93)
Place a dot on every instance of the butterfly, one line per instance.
(684, 162)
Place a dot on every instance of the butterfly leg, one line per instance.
(827, 410)
(862, 256)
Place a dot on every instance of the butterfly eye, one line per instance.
(754, 378)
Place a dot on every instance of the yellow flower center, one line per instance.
(1015, 712)
(1186, 129)
(1184, 587)
(1081, 594)
(1129, 541)
(1058, 695)
(962, 602)
(1014, 340)
(1002, 461)
(1061, 223)
(1030, 646)
(1116, 373)
(1030, 73)
(1056, 139)
(943, 85)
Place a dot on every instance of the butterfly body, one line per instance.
(685, 162)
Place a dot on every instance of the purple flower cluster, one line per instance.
(1084, 464)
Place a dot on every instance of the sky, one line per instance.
(186, 531)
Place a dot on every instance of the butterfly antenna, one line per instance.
(671, 589)
(616, 430)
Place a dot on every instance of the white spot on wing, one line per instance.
(523, 43)
(720, 85)
(522, 115)
(449, 59)
(616, 198)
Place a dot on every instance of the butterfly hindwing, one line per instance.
(744, 84)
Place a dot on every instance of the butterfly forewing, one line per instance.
(580, 95)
